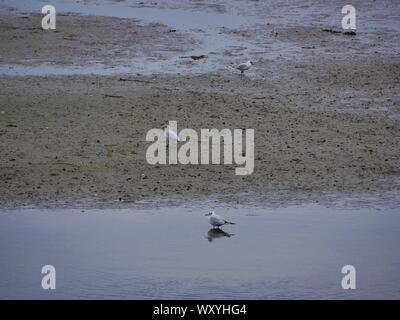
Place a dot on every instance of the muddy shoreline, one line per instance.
(66, 139)
(325, 122)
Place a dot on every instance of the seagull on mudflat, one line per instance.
(170, 134)
(215, 220)
(244, 66)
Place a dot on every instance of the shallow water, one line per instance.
(295, 252)
(223, 49)
(211, 41)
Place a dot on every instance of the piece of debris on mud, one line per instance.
(112, 96)
(199, 57)
(346, 32)
(350, 32)
(331, 30)
(136, 80)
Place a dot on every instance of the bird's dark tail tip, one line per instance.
(228, 222)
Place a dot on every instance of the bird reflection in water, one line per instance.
(215, 233)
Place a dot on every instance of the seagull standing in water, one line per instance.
(215, 220)
(244, 66)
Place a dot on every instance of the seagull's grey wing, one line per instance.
(216, 221)
(242, 66)
(172, 135)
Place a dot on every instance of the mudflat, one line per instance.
(324, 122)
(72, 138)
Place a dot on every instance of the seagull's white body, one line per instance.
(170, 134)
(216, 220)
(244, 66)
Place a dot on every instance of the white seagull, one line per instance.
(244, 66)
(170, 134)
(215, 220)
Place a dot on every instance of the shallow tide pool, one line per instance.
(210, 40)
(294, 252)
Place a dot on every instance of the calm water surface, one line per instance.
(293, 252)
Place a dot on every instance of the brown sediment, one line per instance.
(323, 122)
(64, 140)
